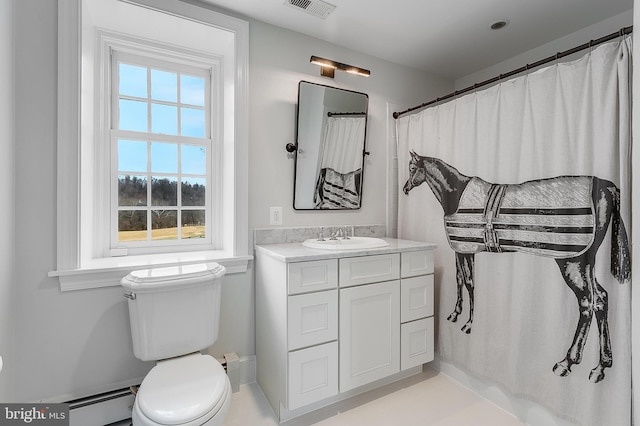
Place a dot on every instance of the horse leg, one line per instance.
(577, 273)
(464, 276)
(606, 202)
(601, 311)
(453, 316)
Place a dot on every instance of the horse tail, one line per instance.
(620, 255)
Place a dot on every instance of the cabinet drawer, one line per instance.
(417, 263)
(316, 275)
(416, 298)
(313, 375)
(369, 269)
(312, 319)
(416, 343)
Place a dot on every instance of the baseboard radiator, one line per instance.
(102, 409)
(114, 406)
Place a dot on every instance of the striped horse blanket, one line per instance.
(337, 190)
(550, 217)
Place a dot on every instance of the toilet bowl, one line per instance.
(188, 391)
(174, 314)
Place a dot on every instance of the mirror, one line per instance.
(330, 142)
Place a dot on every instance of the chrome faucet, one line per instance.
(345, 233)
(337, 234)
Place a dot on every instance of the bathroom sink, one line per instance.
(352, 243)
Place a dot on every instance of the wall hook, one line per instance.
(291, 147)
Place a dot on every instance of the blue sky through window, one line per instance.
(157, 109)
(164, 157)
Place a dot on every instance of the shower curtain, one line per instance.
(338, 183)
(565, 131)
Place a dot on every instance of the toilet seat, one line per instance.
(189, 390)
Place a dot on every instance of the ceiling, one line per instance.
(447, 38)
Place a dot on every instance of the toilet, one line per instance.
(174, 313)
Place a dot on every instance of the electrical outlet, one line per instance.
(275, 215)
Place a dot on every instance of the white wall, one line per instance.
(7, 216)
(279, 60)
(77, 343)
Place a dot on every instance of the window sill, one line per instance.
(108, 272)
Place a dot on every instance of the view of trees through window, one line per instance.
(132, 224)
(161, 184)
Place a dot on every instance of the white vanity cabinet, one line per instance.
(329, 324)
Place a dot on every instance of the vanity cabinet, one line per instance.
(327, 327)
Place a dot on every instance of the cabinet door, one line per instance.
(416, 294)
(313, 319)
(417, 343)
(369, 333)
(313, 374)
(369, 269)
(305, 277)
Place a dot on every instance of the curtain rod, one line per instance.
(331, 114)
(622, 32)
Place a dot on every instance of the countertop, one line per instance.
(296, 252)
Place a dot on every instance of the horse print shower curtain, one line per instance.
(525, 188)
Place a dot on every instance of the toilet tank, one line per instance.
(173, 311)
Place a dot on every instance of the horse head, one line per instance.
(444, 180)
(417, 172)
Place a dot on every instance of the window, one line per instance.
(163, 180)
(156, 175)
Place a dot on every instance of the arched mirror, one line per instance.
(330, 142)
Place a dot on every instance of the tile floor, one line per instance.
(427, 399)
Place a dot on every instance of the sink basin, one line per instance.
(353, 243)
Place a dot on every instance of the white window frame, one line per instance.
(208, 67)
(79, 264)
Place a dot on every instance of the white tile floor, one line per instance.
(429, 399)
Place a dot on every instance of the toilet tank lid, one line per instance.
(157, 278)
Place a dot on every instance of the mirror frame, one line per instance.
(296, 147)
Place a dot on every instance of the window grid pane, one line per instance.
(174, 103)
(149, 208)
(161, 182)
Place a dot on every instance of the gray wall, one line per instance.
(77, 343)
(6, 195)
(279, 60)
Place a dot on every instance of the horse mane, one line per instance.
(445, 181)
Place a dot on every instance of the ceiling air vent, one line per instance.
(318, 8)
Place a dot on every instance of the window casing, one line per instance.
(83, 257)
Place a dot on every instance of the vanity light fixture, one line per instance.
(328, 67)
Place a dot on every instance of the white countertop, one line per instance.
(296, 252)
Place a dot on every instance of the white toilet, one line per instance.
(174, 314)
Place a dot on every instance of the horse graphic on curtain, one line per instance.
(537, 168)
(564, 218)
